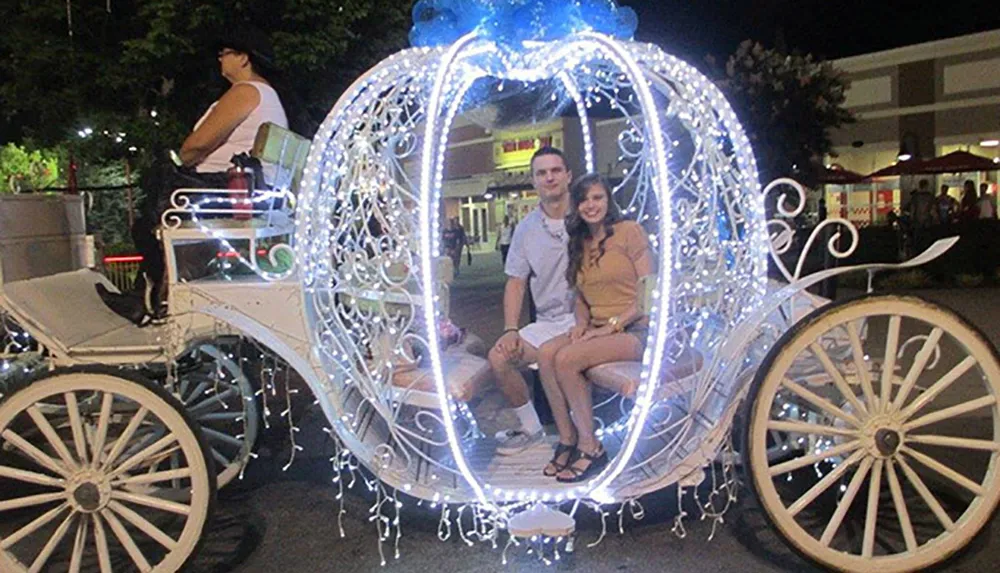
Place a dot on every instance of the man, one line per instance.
(987, 207)
(946, 207)
(537, 258)
(920, 205)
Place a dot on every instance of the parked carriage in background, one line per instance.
(849, 412)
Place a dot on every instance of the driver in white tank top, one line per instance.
(241, 139)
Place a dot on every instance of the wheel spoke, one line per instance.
(943, 470)
(824, 484)
(889, 360)
(142, 456)
(901, 511)
(871, 516)
(101, 541)
(957, 410)
(804, 461)
(215, 435)
(54, 542)
(230, 416)
(145, 526)
(151, 501)
(31, 477)
(845, 502)
(155, 477)
(927, 495)
(79, 440)
(806, 428)
(31, 500)
(940, 386)
(220, 458)
(212, 403)
(919, 362)
(126, 540)
(40, 457)
(102, 430)
(820, 403)
(859, 362)
(196, 393)
(51, 436)
(950, 442)
(79, 545)
(838, 378)
(133, 425)
(27, 530)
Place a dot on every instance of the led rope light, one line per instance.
(430, 189)
(581, 112)
(660, 182)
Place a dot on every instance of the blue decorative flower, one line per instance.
(441, 22)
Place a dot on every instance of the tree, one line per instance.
(788, 103)
(22, 168)
(148, 68)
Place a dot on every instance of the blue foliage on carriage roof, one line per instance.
(511, 22)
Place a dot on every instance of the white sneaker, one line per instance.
(513, 442)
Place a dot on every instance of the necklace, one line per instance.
(559, 233)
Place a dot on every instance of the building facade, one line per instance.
(924, 100)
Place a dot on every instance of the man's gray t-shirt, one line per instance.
(538, 255)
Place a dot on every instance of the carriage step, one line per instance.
(541, 519)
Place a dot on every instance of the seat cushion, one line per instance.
(465, 376)
(623, 377)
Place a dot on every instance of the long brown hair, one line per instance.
(579, 230)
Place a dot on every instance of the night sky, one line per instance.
(827, 28)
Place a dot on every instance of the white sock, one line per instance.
(529, 418)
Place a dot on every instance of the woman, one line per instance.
(226, 129)
(968, 209)
(607, 257)
(504, 237)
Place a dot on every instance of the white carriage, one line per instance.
(851, 412)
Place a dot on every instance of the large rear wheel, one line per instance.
(897, 434)
(97, 492)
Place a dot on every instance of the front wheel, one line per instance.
(91, 489)
(897, 428)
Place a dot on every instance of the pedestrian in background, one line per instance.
(504, 237)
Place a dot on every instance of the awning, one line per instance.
(837, 175)
(958, 162)
(911, 167)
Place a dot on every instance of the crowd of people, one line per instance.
(925, 210)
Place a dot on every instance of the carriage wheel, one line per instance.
(901, 436)
(95, 494)
(220, 398)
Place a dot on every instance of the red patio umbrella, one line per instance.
(837, 175)
(958, 162)
(910, 167)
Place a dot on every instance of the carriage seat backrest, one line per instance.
(285, 151)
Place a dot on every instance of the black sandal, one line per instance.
(597, 463)
(561, 449)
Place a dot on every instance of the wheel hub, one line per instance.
(887, 441)
(89, 491)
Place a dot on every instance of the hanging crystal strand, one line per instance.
(69, 20)
(678, 528)
(338, 478)
(604, 522)
(444, 525)
(292, 428)
(396, 523)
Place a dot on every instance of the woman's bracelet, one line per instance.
(506, 330)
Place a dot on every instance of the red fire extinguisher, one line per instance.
(240, 182)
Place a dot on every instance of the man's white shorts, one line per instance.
(538, 333)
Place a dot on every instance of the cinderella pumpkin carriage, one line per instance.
(867, 429)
